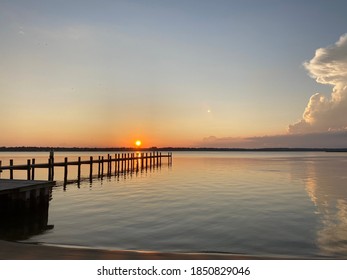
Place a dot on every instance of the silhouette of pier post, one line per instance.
(33, 161)
(28, 169)
(11, 170)
(65, 170)
(91, 169)
(51, 165)
(79, 169)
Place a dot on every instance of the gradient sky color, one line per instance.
(171, 73)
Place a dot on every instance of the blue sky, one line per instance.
(169, 72)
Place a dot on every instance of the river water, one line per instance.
(280, 204)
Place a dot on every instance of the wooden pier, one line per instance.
(24, 203)
(117, 164)
(18, 196)
(24, 208)
(30, 198)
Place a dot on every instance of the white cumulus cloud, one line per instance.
(326, 113)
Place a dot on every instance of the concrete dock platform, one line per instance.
(23, 196)
(8, 186)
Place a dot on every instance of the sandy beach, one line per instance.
(24, 251)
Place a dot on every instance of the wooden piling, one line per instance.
(28, 169)
(137, 162)
(117, 162)
(79, 169)
(11, 170)
(108, 165)
(49, 170)
(99, 167)
(102, 166)
(65, 169)
(119, 168)
(33, 169)
(132, 162)
(51, 155)
(120, 163)
(111, 160)
(124, 163)
(91, 169)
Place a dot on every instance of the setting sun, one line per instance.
(138, 143)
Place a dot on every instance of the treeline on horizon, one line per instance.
(119, 149)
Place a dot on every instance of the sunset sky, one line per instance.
(221, 73)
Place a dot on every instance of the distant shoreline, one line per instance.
(164, 149)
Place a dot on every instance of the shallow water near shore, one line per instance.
(284, 204)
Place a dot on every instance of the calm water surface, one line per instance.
(258, 203)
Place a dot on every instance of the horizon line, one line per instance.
(167, 148)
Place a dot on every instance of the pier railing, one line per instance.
(117, 164)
